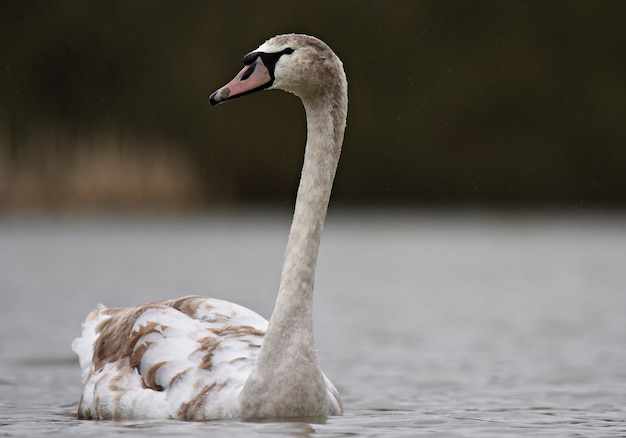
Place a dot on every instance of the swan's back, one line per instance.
(187, 358)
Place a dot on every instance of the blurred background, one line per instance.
(103, 104)
(463, 117)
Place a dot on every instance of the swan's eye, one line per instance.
(270, 59)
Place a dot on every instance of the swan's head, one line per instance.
(300, 64)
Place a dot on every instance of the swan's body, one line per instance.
(199, 358)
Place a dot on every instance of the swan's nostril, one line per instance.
(248, 72)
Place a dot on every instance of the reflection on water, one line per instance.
(462, 325)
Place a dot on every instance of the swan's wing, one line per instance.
(186, 358)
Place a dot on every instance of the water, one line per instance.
(457, 325)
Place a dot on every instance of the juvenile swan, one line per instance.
(199, 358)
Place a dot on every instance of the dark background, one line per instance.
(497, 103)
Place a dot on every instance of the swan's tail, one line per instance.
(83, 345)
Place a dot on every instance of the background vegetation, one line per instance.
(104, 103)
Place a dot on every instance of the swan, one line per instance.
(197, 358)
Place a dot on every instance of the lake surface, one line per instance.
(439, 324)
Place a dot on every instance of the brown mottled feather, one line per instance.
(232, 331)
(117, 338)
(187, 305)
(207, 346)
(189, 410)
(150, 378)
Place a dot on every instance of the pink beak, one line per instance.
(251, 78)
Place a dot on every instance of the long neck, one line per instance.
(294, 304)
(287, 367)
